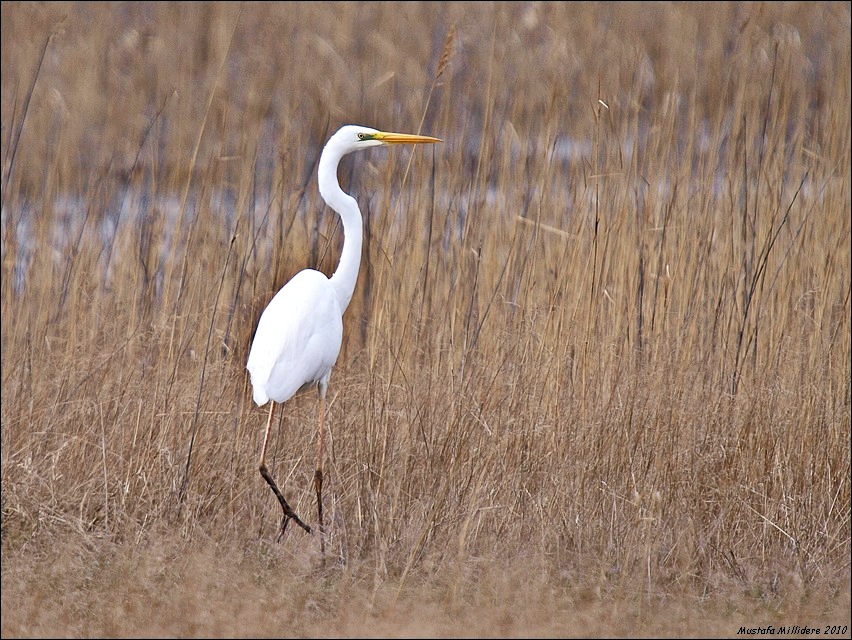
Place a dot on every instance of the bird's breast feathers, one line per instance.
(298, 338)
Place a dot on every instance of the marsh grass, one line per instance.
(595, 377)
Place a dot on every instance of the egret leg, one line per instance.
(318, 473)
(288, 512)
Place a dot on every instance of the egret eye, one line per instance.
(361, 136)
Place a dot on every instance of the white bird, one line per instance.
(299, 333)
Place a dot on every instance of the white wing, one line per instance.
(297, 340)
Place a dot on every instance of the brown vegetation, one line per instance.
(596, 374)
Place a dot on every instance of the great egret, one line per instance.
(299, 333)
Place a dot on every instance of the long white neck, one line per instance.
(344, 278)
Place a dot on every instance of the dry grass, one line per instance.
(596, 373)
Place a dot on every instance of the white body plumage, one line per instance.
(293, 355)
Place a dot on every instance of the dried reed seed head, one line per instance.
(446, 52)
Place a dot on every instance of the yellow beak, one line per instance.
(403, 138)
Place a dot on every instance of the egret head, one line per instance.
(348, 139)
(352, 137)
